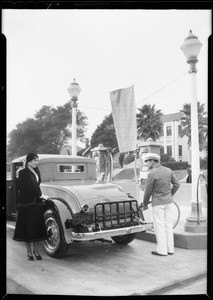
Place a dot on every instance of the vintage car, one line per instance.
(78, 208)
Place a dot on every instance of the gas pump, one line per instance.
(142, 181)
(104, 162)
(143, 168)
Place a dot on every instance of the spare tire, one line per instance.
(124, 239)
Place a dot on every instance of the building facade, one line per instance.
(171, 140)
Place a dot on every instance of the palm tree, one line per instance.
(202, 123)
(149, 124)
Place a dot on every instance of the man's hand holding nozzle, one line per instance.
(143, 207)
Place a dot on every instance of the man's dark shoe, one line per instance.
(30, 257)
(156, 253)
(170, 253)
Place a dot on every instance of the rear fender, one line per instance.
(63, 212)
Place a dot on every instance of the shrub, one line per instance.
(203, 163)
(130, 158)
(171, 159)
(166, 157)
(177, 165)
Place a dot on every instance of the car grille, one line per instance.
(111, 215)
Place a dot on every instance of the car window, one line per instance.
(70, 168)
(9, 175)
(18, 167)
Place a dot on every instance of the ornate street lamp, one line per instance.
(195, 222)
(74, 91)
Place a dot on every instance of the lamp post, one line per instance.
(191, 48)
(74, 91)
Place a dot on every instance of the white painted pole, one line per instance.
(74, 140)
(195, 162)
(196, 222)
(74, 90)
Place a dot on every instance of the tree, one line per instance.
(202, 123)
(46, 133)
(166, 158)
(105, 134)
(25, 136)
(149, 124)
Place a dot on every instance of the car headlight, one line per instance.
(85, 207)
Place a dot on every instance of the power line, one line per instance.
(144, 98)
(162, 88)
(95, 108)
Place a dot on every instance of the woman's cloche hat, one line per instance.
(31, 156)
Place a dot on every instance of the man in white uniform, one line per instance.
(159, 181)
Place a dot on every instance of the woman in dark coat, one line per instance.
(30, 225)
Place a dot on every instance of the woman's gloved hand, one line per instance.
(44, 197)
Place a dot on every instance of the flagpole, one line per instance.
(136, 177)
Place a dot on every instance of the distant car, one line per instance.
(78, 208)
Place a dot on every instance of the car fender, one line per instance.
(62, 210)
(65, 205)
(61, 192)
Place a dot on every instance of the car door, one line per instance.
(10, 197)
(12, 193)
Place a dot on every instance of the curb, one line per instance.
(186, 240)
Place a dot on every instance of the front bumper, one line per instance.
(108, 233)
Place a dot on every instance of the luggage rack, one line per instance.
(111, 215)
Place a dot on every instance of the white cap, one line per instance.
(152, 156)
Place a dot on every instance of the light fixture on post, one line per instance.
(196, 222)
(74, 91)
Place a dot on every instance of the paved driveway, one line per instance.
(96, 269)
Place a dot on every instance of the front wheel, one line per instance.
(124, 239)
(54, 245)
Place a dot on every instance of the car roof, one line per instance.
(57, 158)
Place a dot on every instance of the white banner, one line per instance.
(124, 117)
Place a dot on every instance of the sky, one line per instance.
(104, 50)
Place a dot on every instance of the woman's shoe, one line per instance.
(30, 257)
(38, 257)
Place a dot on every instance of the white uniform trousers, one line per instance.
(163, 225)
